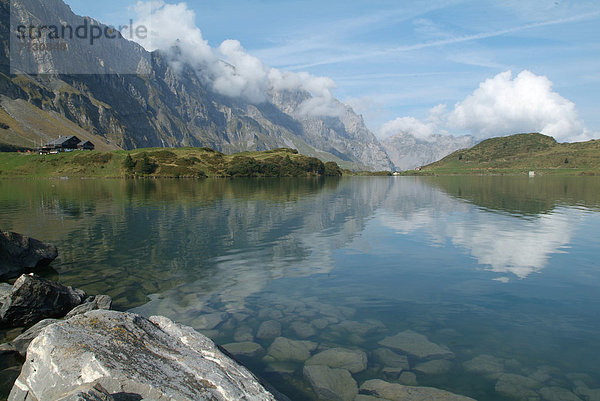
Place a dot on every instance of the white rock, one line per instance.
(126, 353)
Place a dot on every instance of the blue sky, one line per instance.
(394, 59)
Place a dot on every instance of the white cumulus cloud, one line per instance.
(228, 69)
(502, 105)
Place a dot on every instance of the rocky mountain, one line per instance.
(408, 152)
(160, 105)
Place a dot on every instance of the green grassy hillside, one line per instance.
(519, 154)
(176, 163)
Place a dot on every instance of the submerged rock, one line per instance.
(302, 329)
(390, 359)
(269, 330)
(436, 367)
(331, 384)
(91, 303)
(417, 345)
(284, 349)
(408, 379)
(248, 349)
(351, 360)
(558, 394)
(128, 354)
(243, 334)
(518, 387)
(399, 392)
(20, 254)
(487, 365)
(33, 298)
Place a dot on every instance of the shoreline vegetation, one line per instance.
(165, 163)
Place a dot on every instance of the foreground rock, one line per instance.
(19, 254)
(33, 298)
(398, 392)
(127, 354)
(351, 360)
(417, 345)
(331, 384)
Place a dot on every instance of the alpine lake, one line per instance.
(487, 287)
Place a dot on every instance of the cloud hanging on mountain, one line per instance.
(228, 68)
(502, 105)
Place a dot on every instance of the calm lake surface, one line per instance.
(505, 267)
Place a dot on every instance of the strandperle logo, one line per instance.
(42, 34)
(57, 41)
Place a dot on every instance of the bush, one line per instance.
(128, 163)
(145, 165)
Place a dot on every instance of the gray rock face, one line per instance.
(91, 303)
(416, 345)
(331, 384)
(88, 392)
(398, 392)
(20, 254)
(22, 342)
(33, 298)
(269, 330)
(284, 349)
(126, 353)
(408, 152)
(351, 360)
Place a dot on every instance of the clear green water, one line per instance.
(502, 266)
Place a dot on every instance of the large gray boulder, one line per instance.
(127, 354)
(20, 254)
(33, 298)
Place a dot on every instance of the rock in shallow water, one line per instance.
(351, 360)
(91, 303)
(558, 394)
(19, 254)
(487, 365)
(398, 392)
(417, 345)
(331, 384)
(126, 353)
(269, 330)
(518, 387)
(33, 298)
(284, 349)
(248, 349)
(436, 367)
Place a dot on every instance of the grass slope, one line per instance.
(519, 154)
(172, 162)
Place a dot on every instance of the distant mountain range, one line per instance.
(408, 152)
(164, 106)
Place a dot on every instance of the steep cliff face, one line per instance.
(163, 106)
(408, 152)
